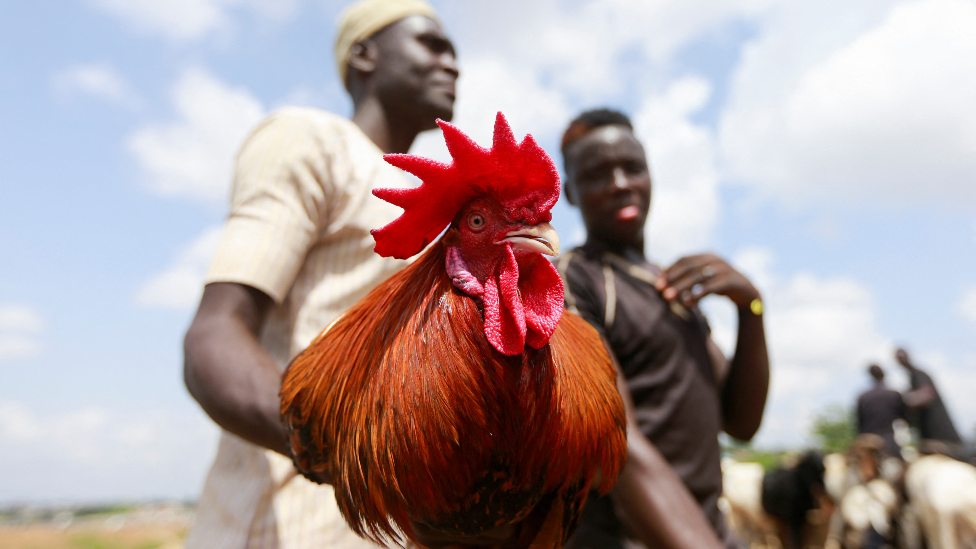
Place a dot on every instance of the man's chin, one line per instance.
(445, 114)
(439, 107)
(431, 118)
(620, 231)
(628, 223)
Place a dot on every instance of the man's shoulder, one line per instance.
(306, 135)
(880, 390)
(308, 119)
(879, 394)
(920, 377)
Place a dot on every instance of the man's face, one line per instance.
(901, 355)
(416, 70)
(608, 179)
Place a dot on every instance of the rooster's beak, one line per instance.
(540, 239)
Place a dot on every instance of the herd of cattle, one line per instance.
(858, 500)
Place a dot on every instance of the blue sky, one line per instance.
(827, 149)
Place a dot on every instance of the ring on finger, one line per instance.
(707, 272)
(697, 290)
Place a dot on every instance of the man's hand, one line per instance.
(692, 278)
(747, 381)
(921, 397)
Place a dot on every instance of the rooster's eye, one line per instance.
(476, 221)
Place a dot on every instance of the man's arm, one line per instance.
(747, 385)
(228, 372)
(653, 500)
(920, 397)
(747, 382)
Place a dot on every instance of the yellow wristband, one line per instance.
(756, 306)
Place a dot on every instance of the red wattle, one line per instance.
(542, 300)
(504, 316)
(523, 305)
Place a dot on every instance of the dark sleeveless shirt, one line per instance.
(663, 354)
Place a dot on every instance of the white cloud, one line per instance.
(177, 20)
(184, 20)
(843, 100)
(180, 286)
(20, 326)
(20, 318)
(194, 156)
(94, 452)
(276, 10)
(955, 385)
(685, 203)
(97, 80)
(583, 48)
(967, 306)
(16, 345)
(304, 96)
(821, 334)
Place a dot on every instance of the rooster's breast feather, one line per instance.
(405, 403)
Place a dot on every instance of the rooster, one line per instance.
(458, 400)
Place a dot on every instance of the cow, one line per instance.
(771, 509)
(942, 500)
(862, 482)
(742, 504)
(789, 494)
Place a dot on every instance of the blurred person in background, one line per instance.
(295, 253)
(684, 389)
(877, 410)
(928, 413)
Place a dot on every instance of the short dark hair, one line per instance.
(591, 120)
(876, 372)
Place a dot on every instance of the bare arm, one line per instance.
(921, 397)
(747, 380)
(654, 501)
(228, 372)
(747, 385)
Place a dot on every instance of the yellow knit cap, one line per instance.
(363, 19)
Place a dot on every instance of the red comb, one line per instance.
(520, 175)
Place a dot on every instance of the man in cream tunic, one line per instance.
(295, 253)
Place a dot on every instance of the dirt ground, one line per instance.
(46, 536)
